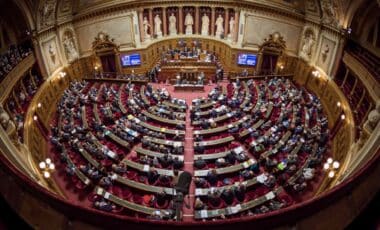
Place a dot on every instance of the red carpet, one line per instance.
(189, 148)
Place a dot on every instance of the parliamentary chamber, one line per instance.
(327, 49)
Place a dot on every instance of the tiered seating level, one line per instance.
(103, 110)
(100, 127)
(259, 106)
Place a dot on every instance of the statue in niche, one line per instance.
(219, 26)
(232, 28)
(205, 24)
(373, 119)
(157, 26)
(172, 24)
(325, 52)
(69, 46)
(52, 54)
(189, 23)
(308, 43)
(146, 26)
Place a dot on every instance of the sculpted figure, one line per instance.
(232, 25)
(189, 23)
(172, 24)
(205, 24)
(219, 26)
(373, 119)
(157, 25)
(70, 50)
(307, 46)
(52, 53)
(146, 27)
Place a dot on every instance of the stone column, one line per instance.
(164, 21)
(180, 19)
(141, 26)
(237, 25)
(226, 22)
(151, 22)
(197, 20)
(212, 21)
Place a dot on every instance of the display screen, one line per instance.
(130, 60)
(247, 59)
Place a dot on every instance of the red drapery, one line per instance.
(108, 63)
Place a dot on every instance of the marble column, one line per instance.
(226, 22)
(237, 25)
(164, 21)
(180, 20)
(212, 21)
(197, 20)
(151, 22)
(141, 26)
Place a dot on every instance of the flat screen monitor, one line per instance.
(247, 59)
(130, 60)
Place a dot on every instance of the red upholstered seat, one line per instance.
(126, 194)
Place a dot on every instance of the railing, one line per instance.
(14, 76)
(366, 58)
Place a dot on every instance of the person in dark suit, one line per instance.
(152, 176)
(212, 177)
(199, 163)
(228, 196)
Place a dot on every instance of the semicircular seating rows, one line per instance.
(258, 146)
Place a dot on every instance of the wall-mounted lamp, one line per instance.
(338, 104)
(62, 74)
(39, 105)
(35, 118)
(343, 117)
(47, 167)
(331, 167)
(316, 73)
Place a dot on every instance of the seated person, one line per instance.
(199, 163)
(214, 198)
(228, 196)
(161, 198)
(152, 176)
(198, 204)
(221, 162)
(239, 192)
(212, 177)
(200, 182)
(177, 164)
(104, 205)
(198, 148)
